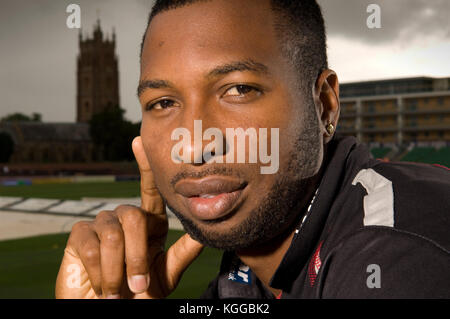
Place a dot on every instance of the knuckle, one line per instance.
(131, 215)
(91, 255)
(112, 236)
(80, 226)
(79, 234)
(124, 207)
(136, 261)
(104, 215)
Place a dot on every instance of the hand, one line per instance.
(121, 253)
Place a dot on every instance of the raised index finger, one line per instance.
(151, 200)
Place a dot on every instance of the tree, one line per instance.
(112, 134)
(36, 117)
(20, 117)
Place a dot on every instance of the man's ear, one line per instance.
(326, 96)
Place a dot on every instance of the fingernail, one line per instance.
(138, 283)
(113, 297)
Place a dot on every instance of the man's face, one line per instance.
(220, 62)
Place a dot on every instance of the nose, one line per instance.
(203, 141)
(195, 149)
(215, 150)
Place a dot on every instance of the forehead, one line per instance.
(210, 32)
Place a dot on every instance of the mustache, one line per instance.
(225, 171)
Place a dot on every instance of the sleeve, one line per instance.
(212, 292)
(229, 284)
(382, 262)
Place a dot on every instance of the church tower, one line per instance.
(97, 75)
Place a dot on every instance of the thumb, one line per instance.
(179, 256)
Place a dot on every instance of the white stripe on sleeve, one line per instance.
(379, 201)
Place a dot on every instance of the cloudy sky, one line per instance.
(38, 52)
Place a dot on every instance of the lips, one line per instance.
(212, 197)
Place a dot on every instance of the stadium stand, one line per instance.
(429, 155)
(380, 152)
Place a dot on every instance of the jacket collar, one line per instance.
(308, 234)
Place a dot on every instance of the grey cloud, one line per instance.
(38, 52)
(401, 20)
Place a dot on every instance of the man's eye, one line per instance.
(160, 105)
(240, 90)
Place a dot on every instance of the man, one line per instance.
(331, 222)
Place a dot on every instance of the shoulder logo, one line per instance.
(240, 273)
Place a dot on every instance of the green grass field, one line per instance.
(74, 191)
(28, 267)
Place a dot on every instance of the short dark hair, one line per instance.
(300, 26)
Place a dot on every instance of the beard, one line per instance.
(282, 207)
(279, 210)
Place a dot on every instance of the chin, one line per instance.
(233, 234)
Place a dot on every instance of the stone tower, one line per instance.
(97, 75)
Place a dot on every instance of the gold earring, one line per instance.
(330, 128)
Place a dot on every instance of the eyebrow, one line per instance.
(247, 65)
(152, 84)
(221, 70)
